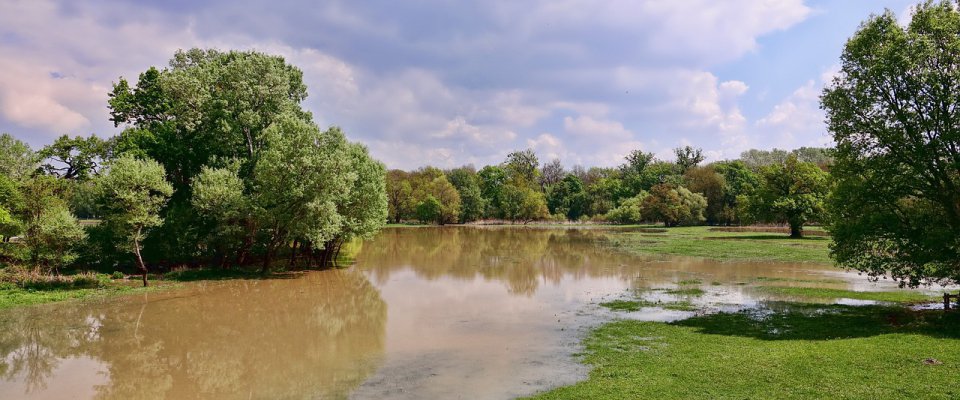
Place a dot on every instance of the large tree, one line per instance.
(893, 112)
(206, 105)
(792, 192)
(364, 209)
(302, 178)
(400, 199)
(674, 205)
(76, 158)
(472, 203)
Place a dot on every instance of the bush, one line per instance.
(117, 275)
(27, 279)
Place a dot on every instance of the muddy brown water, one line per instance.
(448, 313)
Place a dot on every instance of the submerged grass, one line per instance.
(790, 351)
(692, 292)
(637, 305)
(701, 241)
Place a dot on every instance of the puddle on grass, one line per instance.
(455, 312)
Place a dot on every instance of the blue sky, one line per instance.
(448, 83)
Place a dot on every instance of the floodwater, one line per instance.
(456, 312)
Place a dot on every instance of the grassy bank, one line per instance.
(702, 241)
(13, 296)
(791, 350)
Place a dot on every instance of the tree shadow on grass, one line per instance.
(802, 321)
(767, 237)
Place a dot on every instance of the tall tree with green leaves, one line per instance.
(673, 205)
(132, 192)
(568, 198)
(400, 199)
(707, 182)
(893, 112)
(76, 158)
(522, 168)
(364, 209)
(207, 108)
(523, 204)
(206, 105)
(688, 157)
(17, 161)
(791, 193)
(300, 179)
(219, 198)
(472, 203)
(51, 233)
(492, 178)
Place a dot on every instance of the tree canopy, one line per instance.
(892, 111)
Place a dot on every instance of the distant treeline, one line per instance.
(776, 186)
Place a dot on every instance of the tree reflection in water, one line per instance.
(319, 334)
(525, 258)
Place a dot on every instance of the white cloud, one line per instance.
(596, 129)
(797, 120)
(427, 104)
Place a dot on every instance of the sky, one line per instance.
(448, 83)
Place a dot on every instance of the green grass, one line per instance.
(11, 296)
(690, 282)
(685, 292)
(796, 280)
(800, 351)
(637, 305)
(699, 241)
(897, 296)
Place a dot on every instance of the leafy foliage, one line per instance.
(132, 193)
(892, 113)
(674, 205)
(792, 193)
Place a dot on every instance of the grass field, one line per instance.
(11, 296)
(701, 241)
(899, 296)
(790, 351)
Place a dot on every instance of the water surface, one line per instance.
(423, 313)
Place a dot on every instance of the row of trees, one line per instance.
(893, 194)
(770, 188)
(217, 164)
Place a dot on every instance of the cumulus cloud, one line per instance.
(583, 81)
(797, 120)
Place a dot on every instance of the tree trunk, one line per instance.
(796, 230)
(247, 243)
(140, 264)
(293, 253)
(267, 258)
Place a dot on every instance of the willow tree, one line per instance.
(301, 178)
(131, 194)
(893, 112)
(364, 208)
